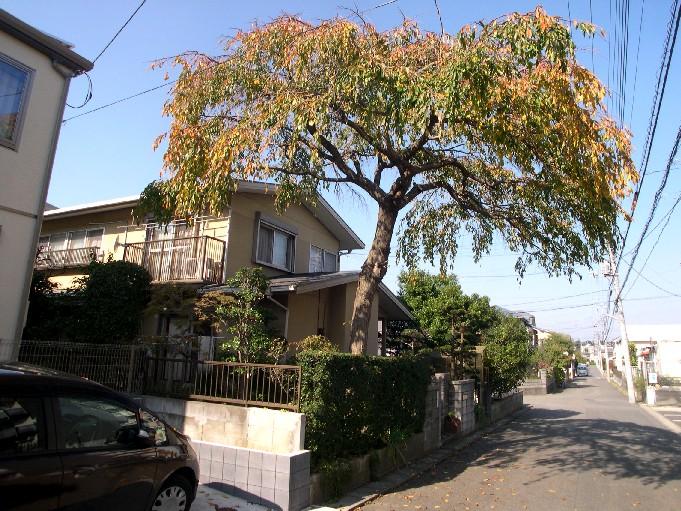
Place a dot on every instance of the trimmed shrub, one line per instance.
(316, 343)
(357, 403)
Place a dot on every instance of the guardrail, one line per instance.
(69, 258)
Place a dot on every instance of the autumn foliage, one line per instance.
(496, 131)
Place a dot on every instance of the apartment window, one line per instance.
(322, 260)
(275, 246)
(15, 79)
(90, 238)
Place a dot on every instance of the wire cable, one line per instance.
(119, 31)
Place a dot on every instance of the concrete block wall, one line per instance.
(434, 416)
(506, 406)
(279, 481)
(462, 403)
(254, 428)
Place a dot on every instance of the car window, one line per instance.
(153, 426)
(22, 425)
(95, 423)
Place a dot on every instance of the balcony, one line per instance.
(69, 258)
(192, 259)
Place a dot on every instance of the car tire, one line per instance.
(174, 495)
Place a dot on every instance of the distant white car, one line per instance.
(582, 370)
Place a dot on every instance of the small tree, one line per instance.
(556, 354)
(496, 130)
(443, 311)
(241, 317)
(113, 297)
(507, 354)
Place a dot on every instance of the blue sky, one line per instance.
(108, 153)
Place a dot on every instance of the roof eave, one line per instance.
(43, 43)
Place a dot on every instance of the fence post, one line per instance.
(131, 364)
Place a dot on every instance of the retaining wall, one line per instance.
(237, 426)
(506, 406)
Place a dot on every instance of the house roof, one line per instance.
(308, 282)
(44, 43)
(323, 211)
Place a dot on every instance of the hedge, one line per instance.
(357, 403)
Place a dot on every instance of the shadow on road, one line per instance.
(547, 442)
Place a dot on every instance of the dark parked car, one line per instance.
(68, 443)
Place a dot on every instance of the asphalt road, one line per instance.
(585, 448)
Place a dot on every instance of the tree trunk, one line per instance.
(373, 271)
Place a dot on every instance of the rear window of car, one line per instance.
(22, 425)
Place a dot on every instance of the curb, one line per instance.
(439, 456)
(661, 418)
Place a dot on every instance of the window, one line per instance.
(14, 82)
(275, 247)
(22, 425)
(322, 260)
(95, 423)
(91, 238)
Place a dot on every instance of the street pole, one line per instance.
(619, 315)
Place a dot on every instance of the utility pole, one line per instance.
(619, 315)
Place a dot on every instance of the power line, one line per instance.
(582, 305)
(638, 48)
(553, 299)
(119, 31)
(119, 101)
(656, 201)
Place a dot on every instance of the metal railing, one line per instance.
(266, 385)
(69, 258)
(197, 258)
(169, 369)
(114, 365)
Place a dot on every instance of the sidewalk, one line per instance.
(669, 416)
(210, 499)
(375, 489)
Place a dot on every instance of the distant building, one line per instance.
(35, 71)
(660, 345)
(528, 319)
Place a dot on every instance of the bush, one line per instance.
(316, 343)
(357, 403)
(507, 354)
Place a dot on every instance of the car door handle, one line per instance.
(83, 471)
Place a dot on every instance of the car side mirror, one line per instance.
(145, 438)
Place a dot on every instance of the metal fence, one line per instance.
(170, 369)
(271, 386)
(113, 365)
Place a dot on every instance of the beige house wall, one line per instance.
(24, 176)
(310, 231)
(330, 310)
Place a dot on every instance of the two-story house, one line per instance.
(299, 251)
(35, 72)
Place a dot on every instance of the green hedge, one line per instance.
(356, 403)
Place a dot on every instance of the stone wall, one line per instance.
(462, 403)
(506, 406)
(254, 428)
(543, 385)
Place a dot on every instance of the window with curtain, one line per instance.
(275, 247)
(14, 80)
(322, 260)
(316, 259)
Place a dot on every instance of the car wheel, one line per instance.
(173, 495)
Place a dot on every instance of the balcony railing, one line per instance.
(69, 258)
(198, 258)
